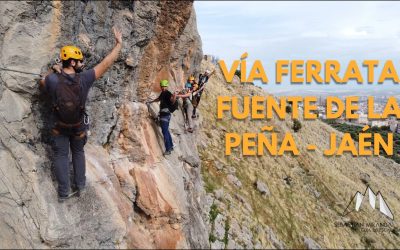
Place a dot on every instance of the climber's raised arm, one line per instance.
(104, 65)
(188, 94)
(173, 97)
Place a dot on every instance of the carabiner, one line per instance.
(86, 119)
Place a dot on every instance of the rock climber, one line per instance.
(168, 104)
(68, 88)
(203, 79)
(185, 94)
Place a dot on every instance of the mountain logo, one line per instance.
(373, 198)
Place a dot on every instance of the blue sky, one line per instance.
(302, 30)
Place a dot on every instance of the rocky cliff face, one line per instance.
(136, 197)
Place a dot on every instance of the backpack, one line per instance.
(68, 101)
(173, 106)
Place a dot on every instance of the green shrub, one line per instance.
(209, 186)
(227, 227)
(288, 109)
(296, 125)
(212, 237)
(213, 212)
(238, 73)
(213, 215)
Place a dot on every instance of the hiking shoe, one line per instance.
(168, 152)
(81, 192)
(190, 130)
(62, 198)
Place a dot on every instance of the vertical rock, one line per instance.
(136, 197)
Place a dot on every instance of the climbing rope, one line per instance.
(19, 71)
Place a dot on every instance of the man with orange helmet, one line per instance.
(69, 88)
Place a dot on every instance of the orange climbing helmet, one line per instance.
(191, 78)
(70, 52)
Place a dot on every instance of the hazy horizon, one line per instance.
(325, 30)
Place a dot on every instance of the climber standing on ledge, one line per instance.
(168, 104)
(203, 79)
(69, 87)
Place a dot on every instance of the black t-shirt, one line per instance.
(86, 81)
(165, 101)
(203, 79)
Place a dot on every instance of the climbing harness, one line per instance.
(86, 119)
(86, 122)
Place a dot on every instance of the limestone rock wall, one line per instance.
(136, 197)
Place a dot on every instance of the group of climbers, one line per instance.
(203, 79)
(191, 95)
(188, 98)
(68, 86)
